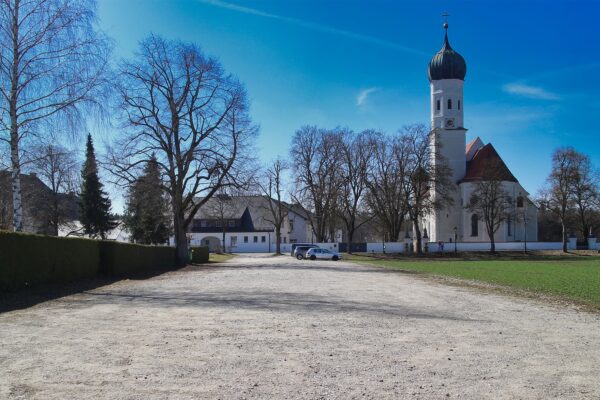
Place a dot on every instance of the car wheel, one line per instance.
(313, 258)
(299, 256)
(335, 258)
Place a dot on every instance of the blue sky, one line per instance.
(531, 86)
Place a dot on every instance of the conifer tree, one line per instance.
(94, 202)
(147, 213)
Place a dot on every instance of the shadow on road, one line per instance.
(29, 297)
(287, 302)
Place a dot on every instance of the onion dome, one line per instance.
(447, 63)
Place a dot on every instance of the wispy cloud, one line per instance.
(313, 26)
(362, 96)
(532, 92)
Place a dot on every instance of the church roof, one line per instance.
(447, 63)
(486, 164)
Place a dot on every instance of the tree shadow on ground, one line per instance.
(294, 303)
(30, 296)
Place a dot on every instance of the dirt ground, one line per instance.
(274, 327)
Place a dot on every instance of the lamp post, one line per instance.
(455, 237)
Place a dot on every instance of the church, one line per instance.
(469, 163)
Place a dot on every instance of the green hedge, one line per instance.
(27, 259)
(117, 259)
(31, 259)
(200, 254)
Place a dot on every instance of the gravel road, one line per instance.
(277, 328)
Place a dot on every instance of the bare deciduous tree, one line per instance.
(428, 185)
(58, 168)
(354, 167)
(182, 106)
(271, 185)
(316, 167)
(53, 62)
(585, 188)
(559, 193)
(386, 189)
(490, 200)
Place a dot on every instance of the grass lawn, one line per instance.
(215, 258)
(572, 277)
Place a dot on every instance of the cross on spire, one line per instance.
(445, 15)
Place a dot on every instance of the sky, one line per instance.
(533, 67)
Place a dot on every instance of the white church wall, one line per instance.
(501, 246)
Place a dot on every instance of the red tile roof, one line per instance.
(484, 159)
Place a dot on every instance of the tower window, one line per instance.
(458, 104)
(474, 225)
(449, 104)
(438, 105)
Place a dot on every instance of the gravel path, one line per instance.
(278, 328)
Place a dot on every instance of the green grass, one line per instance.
(572, 277)
(215, 258)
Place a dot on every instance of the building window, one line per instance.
(520, 202)
(438, 105)
(231, 223)
(203, 223)
(458, 104)
(474, 225)
(263, 239)
(233, 241)
(509, 225)
(285, 239)
(255, 239)
(449, 104)
(245, 239)
(291, 225)
(219, 224)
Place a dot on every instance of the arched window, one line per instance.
(458, 104)
(474, 225)
(449, 104)
(438, 105)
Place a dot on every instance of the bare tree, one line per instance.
(427, 182)
(53, 62)
(386, 189)
(354, 168)
(316, 167)
(58, 168)
(559, 193)
(182, 106)
(490, 200)
(271, 185)
(585, 190)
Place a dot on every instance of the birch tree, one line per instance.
(53, 63)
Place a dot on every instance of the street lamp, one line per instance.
(455, 237)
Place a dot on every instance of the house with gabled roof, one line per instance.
(245, 224)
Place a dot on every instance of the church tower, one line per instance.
(447, 70)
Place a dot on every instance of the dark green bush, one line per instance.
(200, 254)
(27, 259)
(31, 259)
(120, 259)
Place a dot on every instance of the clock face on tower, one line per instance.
(450, 123)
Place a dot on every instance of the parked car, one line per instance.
(294, 245)
(322, 254)
(300, 251)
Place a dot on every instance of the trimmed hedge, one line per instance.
(200, 254)
(118, 259)
(31, 259)
(27, 259)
